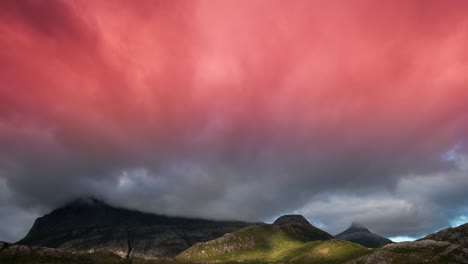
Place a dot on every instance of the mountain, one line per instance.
(456, 235)
(91, 231)
(89, 225)
(290, 239)
(446, 246)
(358, 234)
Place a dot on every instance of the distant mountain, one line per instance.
(359, 234)
(88, 225)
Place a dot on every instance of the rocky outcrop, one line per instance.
(424, 251)
(457, 235)
(359, 234)
(90, 225)
(446, 246)
(21, 250)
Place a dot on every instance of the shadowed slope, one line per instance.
(92, 225)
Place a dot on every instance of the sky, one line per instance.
(338, 110)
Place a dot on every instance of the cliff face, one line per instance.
(89, 225)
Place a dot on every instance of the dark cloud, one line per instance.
(236, 109)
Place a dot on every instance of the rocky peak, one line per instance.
(291, 219)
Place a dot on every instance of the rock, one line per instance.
(458, 235)
(17, 250)
(424, 251)
(359, 234)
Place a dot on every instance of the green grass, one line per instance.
(271, 244)
(326, 252)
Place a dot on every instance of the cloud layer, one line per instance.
(237, 109)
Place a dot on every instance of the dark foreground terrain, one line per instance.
(89, 231)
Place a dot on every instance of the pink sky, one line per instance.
(376, 87)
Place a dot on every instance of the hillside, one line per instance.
(88, 225)
(14, 254)
(359, 234)
(457, 235)
(446, 246)
(291, 239)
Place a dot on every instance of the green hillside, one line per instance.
(282, 242)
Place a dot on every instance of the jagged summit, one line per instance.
(291, 219)
(357, 233)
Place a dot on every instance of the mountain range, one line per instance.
(91, 231)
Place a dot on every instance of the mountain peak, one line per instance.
(357, 233)
(291, 219)
(357, 227)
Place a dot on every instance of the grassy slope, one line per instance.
(271, 244)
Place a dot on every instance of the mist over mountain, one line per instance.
(88, 230)
(89, 224)
(359, 234)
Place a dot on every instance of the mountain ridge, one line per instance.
(90, 225)
(92, 231)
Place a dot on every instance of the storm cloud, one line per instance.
(342, 111)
